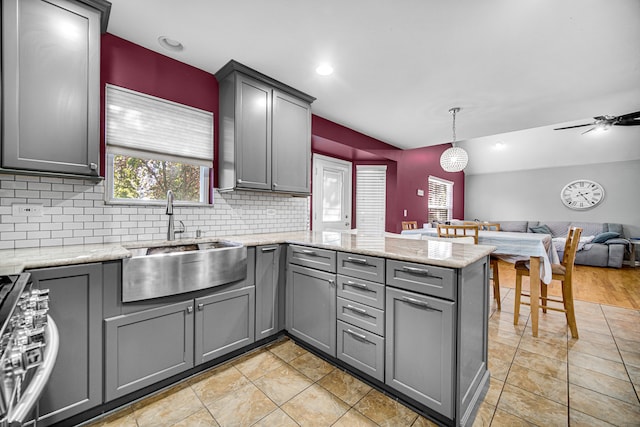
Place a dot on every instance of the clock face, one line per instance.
(582, 194)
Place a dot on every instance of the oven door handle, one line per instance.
(31, 395)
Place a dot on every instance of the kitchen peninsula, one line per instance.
(407, 316)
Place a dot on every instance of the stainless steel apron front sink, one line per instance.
(154, 272)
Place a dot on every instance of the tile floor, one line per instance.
(552, 380)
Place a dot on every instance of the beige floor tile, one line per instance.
(505, 419)
(555, 348)
(354, 418)
(580, 419)
(242, 408)
(607, 350)
(598, 364)
(627, 345)
(634, 375)
(287, 350)
(256, 365)
(619, 313)
(600, 406)
(495, 389)
(384, 410)
(501, 351)
(312, 366)
(220, 381)
(539, 384)
(549, 333)
(277, 418)
(124, 418)
(484, 415)
(531, 407)
(620, 389)
(423, 422)
(631, 358)
(315, 406)
(200, 419)
(169, 410)
(282, 383)
(545, 365)
(346, 387)
(498, 368)
(625, 329)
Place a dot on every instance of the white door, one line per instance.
(331, 194)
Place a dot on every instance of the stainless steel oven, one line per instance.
(28, 348)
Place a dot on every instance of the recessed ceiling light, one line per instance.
(324, 69)
(170, 44)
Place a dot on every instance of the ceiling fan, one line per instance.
(604, 122)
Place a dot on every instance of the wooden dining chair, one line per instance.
(562, 272)
(471, 229)
(409, 225)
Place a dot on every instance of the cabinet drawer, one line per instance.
(361, 349)
(362, 291)
(425, 279)
(361, 266)
(365, 317)
(320, 259)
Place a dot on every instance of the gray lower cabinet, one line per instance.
(361, 349)
(311, 307)
(225, 321)
(269, 290)
(75, 384)
(51, 86)
(420, 348)
(145, 347)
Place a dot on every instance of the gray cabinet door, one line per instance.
(148, 346)
(361, 349)
(420, 348)
(253, 134)
(311, 307)
(225, 321)
(51, 84)
(75, 384)
(291, 153)
(268, 291)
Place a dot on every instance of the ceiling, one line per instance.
(517, 69)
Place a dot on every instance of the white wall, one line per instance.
(535, 195)
(75, 213)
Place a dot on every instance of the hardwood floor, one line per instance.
(609, 286)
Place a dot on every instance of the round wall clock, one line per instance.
(582, 194)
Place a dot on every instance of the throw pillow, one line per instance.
(603, 237)
(542, 229)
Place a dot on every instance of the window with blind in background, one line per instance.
(440, 199)
(155, 145)
(371, 193)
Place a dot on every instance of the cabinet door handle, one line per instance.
(356, 309)
(332, 282)
(306, 252)
(359, 285)
(417, 302)
(201, 306)
(239, 181)
(269, 249)
(190, 309)
(93, 166)
(275, 184)
(357, 335)
(415, 270)
(357, 260)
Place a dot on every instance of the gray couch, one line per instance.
(609, 253)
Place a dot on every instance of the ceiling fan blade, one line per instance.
(629, 116)
(576, 126)
(628, 123)
(587, 131)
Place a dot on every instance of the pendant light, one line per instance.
(454, 159)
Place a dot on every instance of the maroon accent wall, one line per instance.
(134, 67)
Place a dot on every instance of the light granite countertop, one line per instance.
(432, 251)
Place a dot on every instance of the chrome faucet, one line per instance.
(171, 229)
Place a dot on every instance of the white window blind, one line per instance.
(371, 193)
(440, 199)
(138, 123)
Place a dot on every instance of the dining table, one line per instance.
(537, 248)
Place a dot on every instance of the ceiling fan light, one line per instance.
(454, 159)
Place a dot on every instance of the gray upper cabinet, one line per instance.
(75, 300)
(51, 86)
(265, 133)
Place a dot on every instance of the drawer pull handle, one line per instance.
(357, 260)
(415, 270)
(357, 335)
(357, 309)
(190, 309)
(416, 302)
(200, 306)
(358, 285)
(269, 249)
(306, 252)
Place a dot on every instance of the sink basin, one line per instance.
(154, 272)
